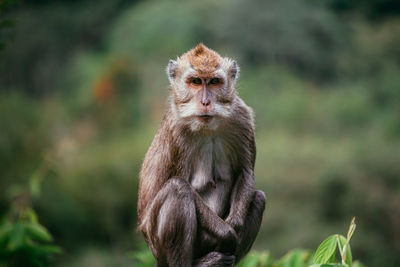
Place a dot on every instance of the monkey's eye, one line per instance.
(214, 81)
(196, 81)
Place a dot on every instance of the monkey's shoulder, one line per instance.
(244, 114)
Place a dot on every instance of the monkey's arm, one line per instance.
(240, 200)
(244, 186)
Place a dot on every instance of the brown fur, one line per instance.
(203, 60)
(175, 218)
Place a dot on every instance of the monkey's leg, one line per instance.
(249, 231)
(171, 224)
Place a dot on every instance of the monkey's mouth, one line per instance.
(204, 118)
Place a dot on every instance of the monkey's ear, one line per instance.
(234, 71)
(172, 68)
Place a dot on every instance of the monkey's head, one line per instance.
(202, 87)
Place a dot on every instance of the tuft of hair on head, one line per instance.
(203, 59)
(199, 49)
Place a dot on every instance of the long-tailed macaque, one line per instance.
(197, 200)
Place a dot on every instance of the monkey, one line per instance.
(197, 202)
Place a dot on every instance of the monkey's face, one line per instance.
(202, 86)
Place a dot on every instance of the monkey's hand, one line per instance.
(228, 241)
(224, 244)
(215, 226)
(236, 223)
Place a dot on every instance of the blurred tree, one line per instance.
(5, 22)
(299, 34)
(371, 9)
(24, 139)
(47, 35)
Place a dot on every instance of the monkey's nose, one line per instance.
(205, 102)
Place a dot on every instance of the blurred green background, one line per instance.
(83, 89)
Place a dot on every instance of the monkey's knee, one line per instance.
(172, 224)
(256, 211)
(178, 208)
(259, 200)
(176, 222)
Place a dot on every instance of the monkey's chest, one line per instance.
(211, 175)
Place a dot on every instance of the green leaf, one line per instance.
(347, 257)
(34, 184)
(251, 260)
(5, 232)
(326, 251)
(16, 237)
(31, 215)
(294, 258)
(265, 259)
(38, 232)
(358, 264)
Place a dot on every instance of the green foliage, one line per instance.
(135, 25)
(62, 28)
(294, 258)
(6, 23)
(256, 259)
(24, 140)
(326, 252)
(372, 9)
(325, 255)
(318, 36)
(143, 258)
(23, 240)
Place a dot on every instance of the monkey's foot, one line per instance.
(215, 259)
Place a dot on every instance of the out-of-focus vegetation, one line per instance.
(82, 90)
(23, 240)
(324, 256)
